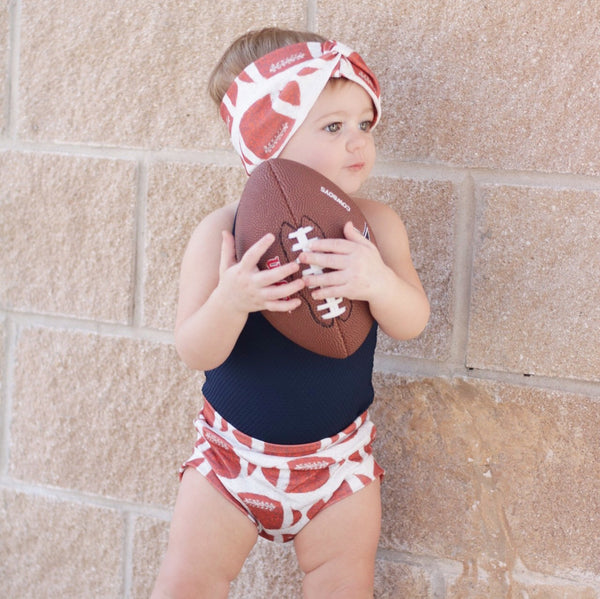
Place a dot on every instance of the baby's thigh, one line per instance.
(336, 550)
(209, 541)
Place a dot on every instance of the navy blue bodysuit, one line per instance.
(278, 392)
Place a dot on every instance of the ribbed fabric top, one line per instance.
(276, 391)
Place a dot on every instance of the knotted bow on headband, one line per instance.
(272, 96)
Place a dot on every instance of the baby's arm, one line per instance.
(383, 275)
(216, 292)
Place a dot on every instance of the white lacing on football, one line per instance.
(331, 306)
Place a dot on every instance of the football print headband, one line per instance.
(271, 97)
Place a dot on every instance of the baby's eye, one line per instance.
(333, 127)
(366, 125)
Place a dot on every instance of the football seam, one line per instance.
(281, 190)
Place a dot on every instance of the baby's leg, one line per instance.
(209, 541)
(336, 549)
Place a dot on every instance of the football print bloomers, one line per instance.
(282, 487)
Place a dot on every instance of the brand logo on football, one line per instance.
(334, 197)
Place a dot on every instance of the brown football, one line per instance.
(298, 204)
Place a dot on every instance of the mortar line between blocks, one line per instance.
(82, 325)
(128, 543)
(311, 15)
(85, 498)
(531, 577)
(419, 368)
(589, 389)
(96, 150)
(464, 232)
(485, 176)
(384, 167)
(139, 260)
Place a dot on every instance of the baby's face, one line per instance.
(335, 139)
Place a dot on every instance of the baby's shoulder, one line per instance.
(218, 220)
(222, 217)
(378, 215)
(208, 232)
(387, 227)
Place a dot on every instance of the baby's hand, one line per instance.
(354, 264)
(250, 289)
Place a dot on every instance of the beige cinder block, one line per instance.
(501, 84)
(101, 414)
(179, 197)
(129, 74)
(567, 590)
(428, 210)
(3, 335)
(498, 476)
(67, 228)
(259, 579)
(394, 579)
(4, 74)
(471, 586)
(149, 546)
(54, 548)
(536, 300)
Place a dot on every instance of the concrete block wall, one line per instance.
(110, 153)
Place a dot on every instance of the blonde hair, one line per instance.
(246, 49)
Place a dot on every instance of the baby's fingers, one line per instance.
(274, 275)
(284, 305)
(227, 251)
(283, 290)
(322, 260)
(280, 297)
(254, 252)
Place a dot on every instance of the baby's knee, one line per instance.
(349, 584)
(173, 584)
